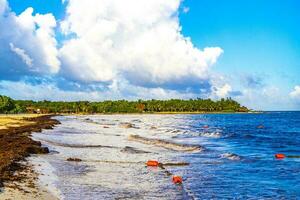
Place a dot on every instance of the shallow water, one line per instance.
(237, 161)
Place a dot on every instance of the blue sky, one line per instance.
(244, 49)
(258, 37)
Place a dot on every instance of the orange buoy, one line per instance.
(279, 156)
(152, 163)
(177, 180)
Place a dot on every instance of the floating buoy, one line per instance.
(279, 156)
(177, 180)
(152, 163)
(205, 126)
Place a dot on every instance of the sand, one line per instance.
(16, 175)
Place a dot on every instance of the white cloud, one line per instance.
(21, 52)
(221, 91)
(135, 47)
(30, 38)
(139, 41)
(268, 97)
(295, 94)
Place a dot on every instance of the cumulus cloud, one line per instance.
(295, 94)
(108, 49)
(139, 41)
(27, 43)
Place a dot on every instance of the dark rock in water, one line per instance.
(132, 150)
(74, 159)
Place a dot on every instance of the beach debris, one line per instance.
(133, 150)
(231, 156)
(105, 126)
(36, 149)
(177, 179)
(279, 156)
(152, 163)
(74, 159)
(127, 125)
(166, 144)
(153, 128)
(205, 126)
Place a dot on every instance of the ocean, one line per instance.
(235, 158)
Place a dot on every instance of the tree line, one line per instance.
(8, 105)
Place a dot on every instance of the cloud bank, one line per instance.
(129, 49)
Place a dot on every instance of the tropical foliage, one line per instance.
(7, 105)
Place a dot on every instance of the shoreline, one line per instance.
(15, 146)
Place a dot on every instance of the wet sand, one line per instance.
(15, 146)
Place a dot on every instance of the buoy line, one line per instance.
(178, 180)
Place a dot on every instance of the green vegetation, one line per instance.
(7, 105)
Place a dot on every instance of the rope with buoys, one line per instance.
(281, 156)
(177, 180)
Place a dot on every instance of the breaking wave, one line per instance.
(166, 144)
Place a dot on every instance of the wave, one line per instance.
(77, 145)
(166, 144)
(133, 150)
(104, 123)
(211, 135)
(231, 156)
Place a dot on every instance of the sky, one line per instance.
(160, 49)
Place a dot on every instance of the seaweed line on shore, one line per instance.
(16, 144)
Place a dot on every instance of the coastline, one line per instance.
(161, 113)
(18, 180)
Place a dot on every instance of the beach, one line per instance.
(18, 180)
(217, 156)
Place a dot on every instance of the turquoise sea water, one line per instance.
(237, 161)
